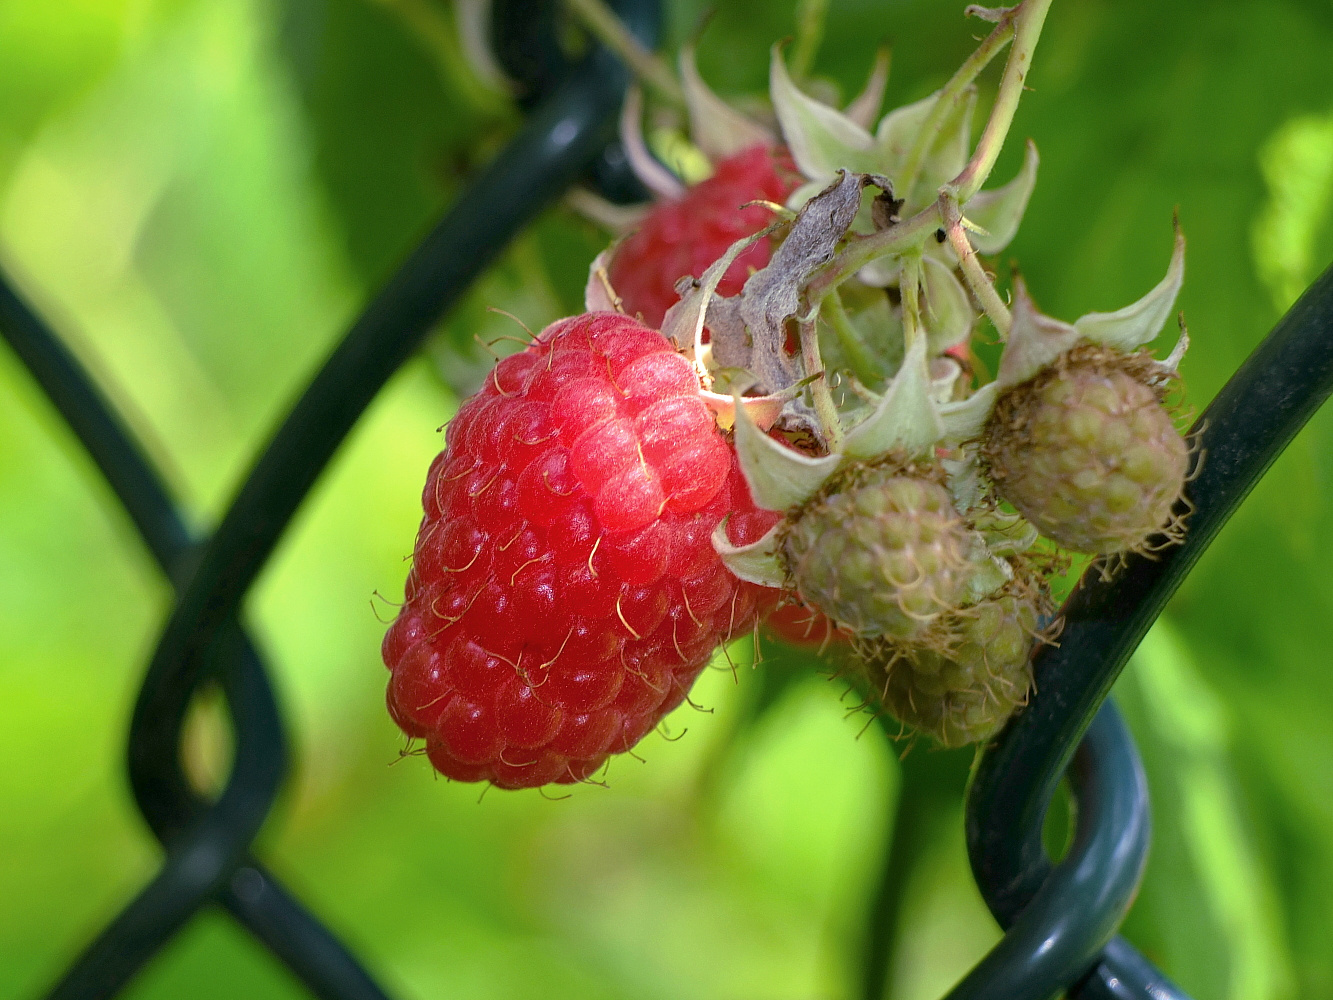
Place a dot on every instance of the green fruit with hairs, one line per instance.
(966, 695)
(882, 551)
(1087, 452)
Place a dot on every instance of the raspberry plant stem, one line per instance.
(861, 250)
(910, 284)
(820, 394)
(977, 279)
(949, 96)
(848, 339)
(1027, 18)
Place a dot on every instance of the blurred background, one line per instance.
(201, 195)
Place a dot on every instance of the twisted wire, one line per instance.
(1282, 384)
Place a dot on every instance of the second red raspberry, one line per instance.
(683, 237)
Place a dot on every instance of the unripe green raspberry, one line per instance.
(968, 694)
(1088, 454)
(882, 552)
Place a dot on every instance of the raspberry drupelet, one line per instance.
(686, 235)
(564, 593)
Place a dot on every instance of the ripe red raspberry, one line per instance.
(686, 235)
(564, 593)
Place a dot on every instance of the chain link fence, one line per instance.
(1060, 919)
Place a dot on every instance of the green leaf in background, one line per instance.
(1292, 235)
(1208, 902)
(392, 137)
(200, 196)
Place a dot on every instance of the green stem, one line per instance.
(862, 363)
(1028, 18)
(910, 286)
(810, 18)
(975, 275)
(820, 393)
(608, 29)
(948, 98)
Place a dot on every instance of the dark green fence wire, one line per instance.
(1241, 433)
(1060, 919)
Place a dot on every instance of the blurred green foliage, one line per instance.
(199, 196)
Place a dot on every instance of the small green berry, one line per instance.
(967, 694)
(1087, 452)
(882, 552)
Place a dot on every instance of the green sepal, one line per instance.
(1136, 324)
(1035, 340)
(897, 132)
(948, 315)
(717, 128)
(780, 477)
(822, 139)
(653, 175)
(944, 375)
(1006, 534)
(905, 418)
(945, 157)
(990, 575)
(865, 106)
(964, 419)
(1000, 210)
(754, 563)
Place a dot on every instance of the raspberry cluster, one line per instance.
(570, 579)
(883, 552)
(565, 593)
